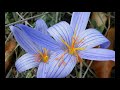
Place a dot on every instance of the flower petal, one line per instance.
(92, 38)
(40, 38)
(61, 30)
(42, 70)
(79, 21)
(61, 71)
(41, 26)
(23, 40)
(25, 62)
(98, 54)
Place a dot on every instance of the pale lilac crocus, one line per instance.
(36, 56)
(75, 42)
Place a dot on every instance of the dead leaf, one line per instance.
(111, 36)
(103, 69)
(96, 16)
(9, 47)
(98, 20)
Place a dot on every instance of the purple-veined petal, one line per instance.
(92, 38)
(42, 70)
(38, 37)
(41, 26)
(79, 21)
(61, 30)
(24, 41)
(98, 54)
(25, 62)
(66, 70)
(61, 71)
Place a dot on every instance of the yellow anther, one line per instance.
(45, 59)
(79, 48)
(71, 50)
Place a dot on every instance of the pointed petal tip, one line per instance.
(98, 54)
(12, 28)
(39, 20)
(79, 21)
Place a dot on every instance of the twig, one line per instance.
(76, 70)
(87, 69)
(109, 15)
(9, 73)
(90, 70)
(80, 75)
(26, 19)
(22, 18)
(29, 73)
(16, 76)
(25, 14)
(8, 37)
(56, 19)
(72, 76)
(69, 13)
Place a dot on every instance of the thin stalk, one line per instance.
(29, 73)
(87, 68)
(8, 37)
(69, 13)
(109, 15)
(80, 73)
(25, 14)
(26, 19)
(56, 19)
(9, 73)
(72, 76)
(90, 70)
(23, 18)
(76, 70)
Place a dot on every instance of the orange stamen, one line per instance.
(78, 58)
(42, 56)
(80, 41)
(62, 63)
(62, 55)
(37, 58)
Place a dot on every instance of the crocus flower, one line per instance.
(75, 42)
(36, 56)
